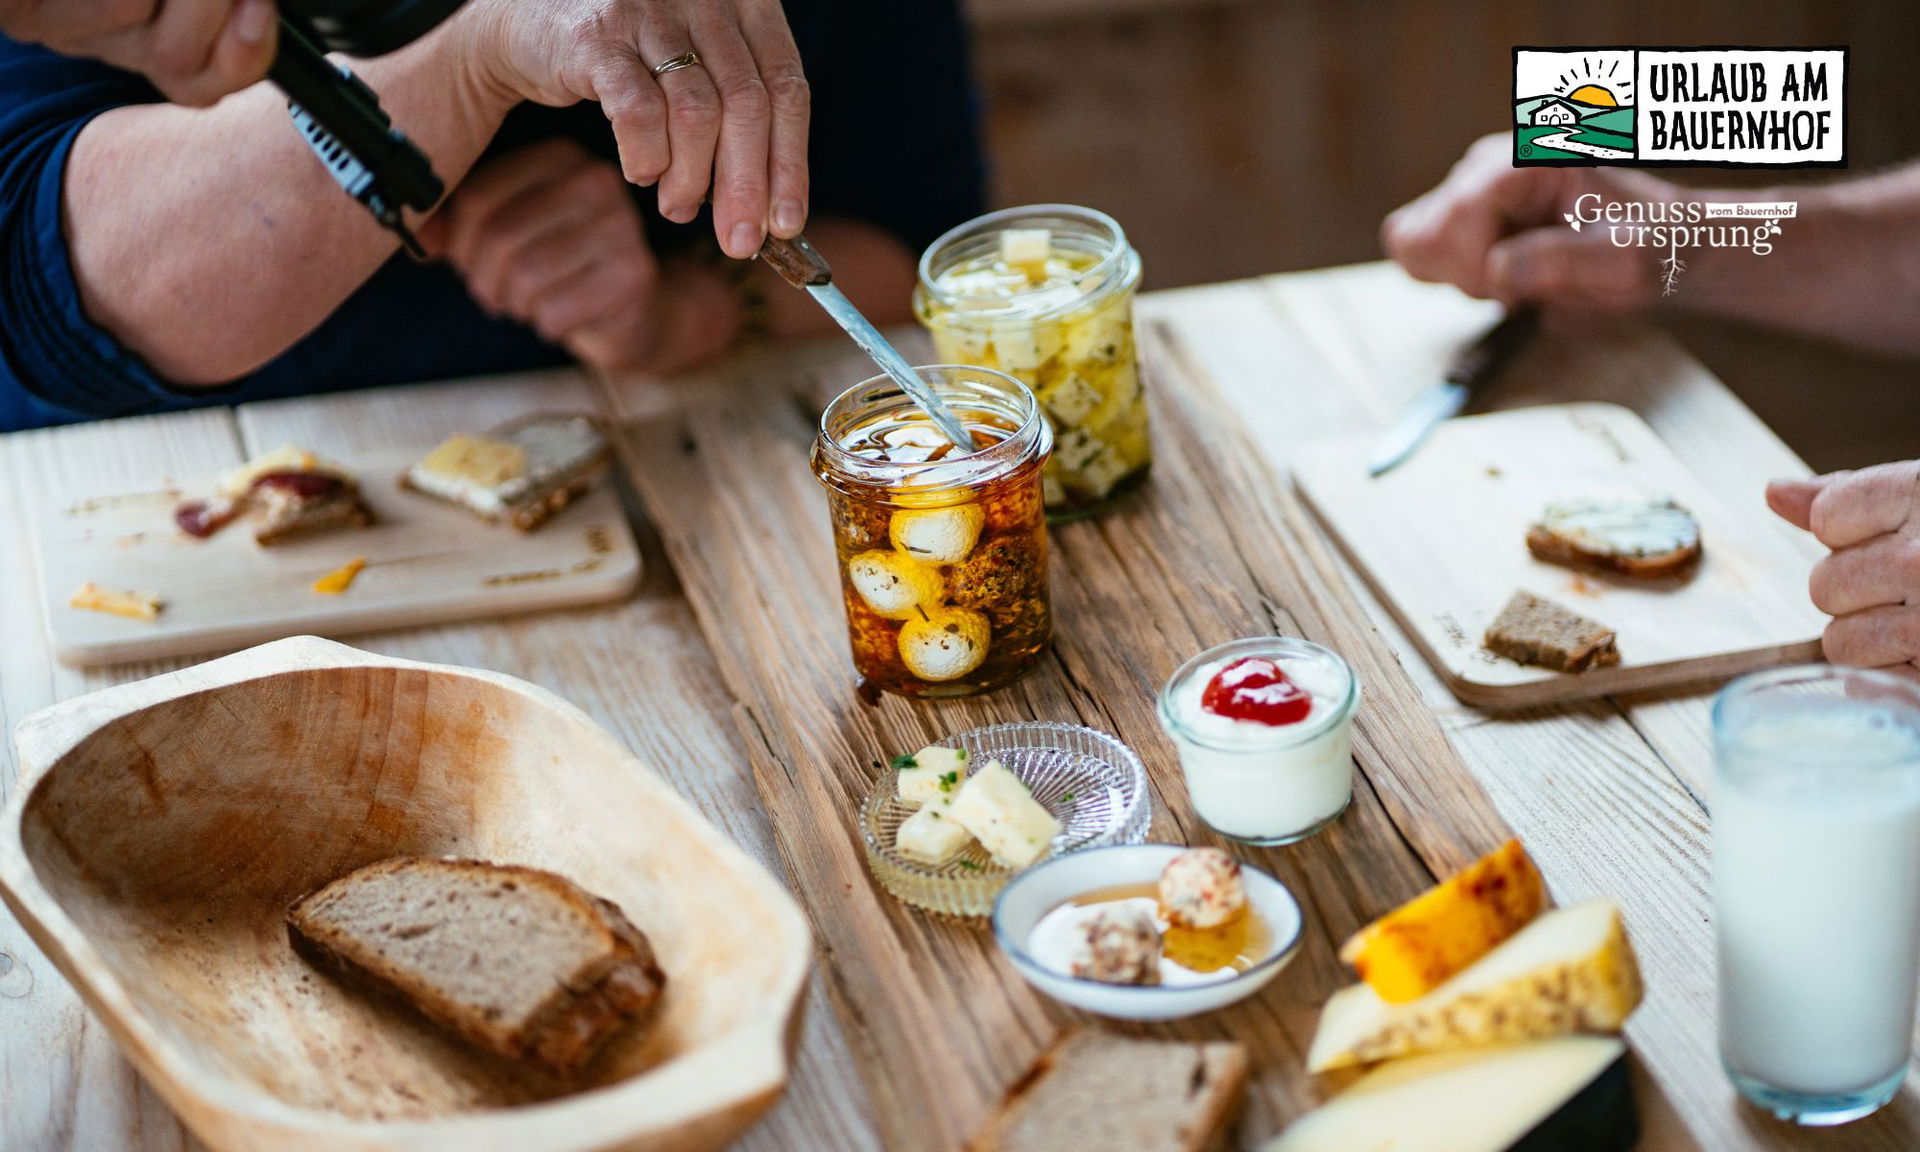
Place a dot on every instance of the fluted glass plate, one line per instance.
(1093, 784)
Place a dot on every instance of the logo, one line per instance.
(1673, 226)
(1674, 107)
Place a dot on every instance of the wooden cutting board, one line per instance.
(1441, 539)
(427, 562)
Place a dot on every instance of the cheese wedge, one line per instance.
(1571, 1094)
(1571, 970)
(1427, 941)
(1009, 823)
(935, 774)
(133, 605)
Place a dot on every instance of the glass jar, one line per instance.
(942, 554)
(1058, 316)
(1259, 782)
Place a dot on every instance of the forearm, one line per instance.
(209, 241)
(1847, 267)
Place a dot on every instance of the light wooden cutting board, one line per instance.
(1442, 540)
(427, 562)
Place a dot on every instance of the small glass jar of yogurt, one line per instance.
(1264, 728)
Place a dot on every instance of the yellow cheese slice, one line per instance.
(341, 578)
(133, 605)
(477, 460)
(1571, 970)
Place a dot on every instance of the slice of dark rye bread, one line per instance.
(517, 961)
(1646, 539)
(1098, 1090)
(1535, 630)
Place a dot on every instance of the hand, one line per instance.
(550, 236)
(1870, 584)
(737, 121)
(1499, 232)
(194, 51)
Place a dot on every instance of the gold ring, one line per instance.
(684, 60)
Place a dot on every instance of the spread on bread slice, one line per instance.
(1535, 630)
(1641, 538)
(521, 472)
(289, 492)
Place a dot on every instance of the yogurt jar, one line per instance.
(1267, 760)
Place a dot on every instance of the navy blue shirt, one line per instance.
(890, 94)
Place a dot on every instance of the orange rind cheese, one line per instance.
(341, 578)
(1432, 938)
(133, 605)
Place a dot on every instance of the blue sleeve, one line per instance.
(55, 364)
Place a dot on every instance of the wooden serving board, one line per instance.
(1441, 539)
(427, 562)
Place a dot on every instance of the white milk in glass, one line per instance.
(1816, 880)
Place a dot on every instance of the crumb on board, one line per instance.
(341, 578)
(90, 597)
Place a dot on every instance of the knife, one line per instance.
(1483, 360)
(802, 266)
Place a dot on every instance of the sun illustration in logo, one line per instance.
(1596, 80)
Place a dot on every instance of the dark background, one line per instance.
(1238, 137)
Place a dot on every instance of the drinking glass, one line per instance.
(1816, 887)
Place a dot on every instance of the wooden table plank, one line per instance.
(1217, 546)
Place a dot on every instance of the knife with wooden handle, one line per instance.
(1471, 371)
(802, 266)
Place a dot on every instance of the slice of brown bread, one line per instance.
(1535, 630)
(1647, 539)
(1094, 1089)
(524, 471)
(517, 961)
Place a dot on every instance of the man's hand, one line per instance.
(736, 122)
(1500, 232)
(194, 51)
(550, 236)
(1870, 585)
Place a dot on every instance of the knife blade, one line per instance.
(1444, 399)
(802, 266)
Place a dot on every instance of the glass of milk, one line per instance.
(1265, 783)
(1816, 887)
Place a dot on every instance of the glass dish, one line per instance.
(1093, 784)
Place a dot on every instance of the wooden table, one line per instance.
(1609, 795)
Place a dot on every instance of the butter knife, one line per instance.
(802, 266)
(1480, 363)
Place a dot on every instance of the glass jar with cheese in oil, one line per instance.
(1045, 294)
(942, 550)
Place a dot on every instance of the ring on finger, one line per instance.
(674, 64)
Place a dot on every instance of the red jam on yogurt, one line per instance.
(1258, 690)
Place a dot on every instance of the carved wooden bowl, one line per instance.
(162, 828)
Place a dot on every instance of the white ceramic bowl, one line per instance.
(1045, 886)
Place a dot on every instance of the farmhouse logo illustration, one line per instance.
(1666, 107)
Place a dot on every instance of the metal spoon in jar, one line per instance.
(803, 267)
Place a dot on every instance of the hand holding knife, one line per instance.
(1470, 372)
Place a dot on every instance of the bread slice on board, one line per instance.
(517, 961)
(1534, 630)
(1647, 539)
(523, 472)
(1094, 1089)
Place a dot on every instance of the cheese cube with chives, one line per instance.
(1009, 823)
(932, 835)
(931, 774)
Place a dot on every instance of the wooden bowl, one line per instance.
(163, 827)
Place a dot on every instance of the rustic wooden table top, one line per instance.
(735, 687)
